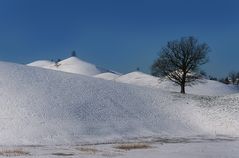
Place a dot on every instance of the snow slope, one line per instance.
(139, 79)
(71, 65)
(204, 87)
(107, 76)
(78, 66)
(41, 63)
(40, 106)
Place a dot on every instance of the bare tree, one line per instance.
(237, 79)
(179, 61)
(233, 77)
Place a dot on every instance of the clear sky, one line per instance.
(117, 34)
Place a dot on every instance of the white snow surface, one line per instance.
(71, 65)
(41, 63)
(139, 79)
(204, 148)
(40, 106)
(203, 87)
(78, 66)
(107, 76)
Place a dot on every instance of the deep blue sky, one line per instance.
(117, 34)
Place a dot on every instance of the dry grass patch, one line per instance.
(62, 154)
(132, 146)
(88, 150)
(14, 152)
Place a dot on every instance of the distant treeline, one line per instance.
(231, 78)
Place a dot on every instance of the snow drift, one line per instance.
(40, 106)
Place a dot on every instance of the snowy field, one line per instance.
(191, 147)
(93, 112)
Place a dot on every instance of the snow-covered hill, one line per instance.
(107, 76)
(41, 63)
(204, 87)
(78, 66)
(71, 65)
(40, 106)
(139, 79)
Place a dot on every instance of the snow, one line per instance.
(204, 148)
(41, 63)
(188, 150)
(51, 113)
(71, 65)
(107, 76)
(139, 79)
(204, 87)
(78, 66)
(40, 106)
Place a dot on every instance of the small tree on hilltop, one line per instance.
(57, 64)
(73, 53)
(179, 61)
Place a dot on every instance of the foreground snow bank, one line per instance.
(39, 106)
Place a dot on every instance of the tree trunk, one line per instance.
(183, 88)
(183, 83)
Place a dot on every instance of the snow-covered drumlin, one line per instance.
(71, 65)
(45, 107)
(79, 66)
